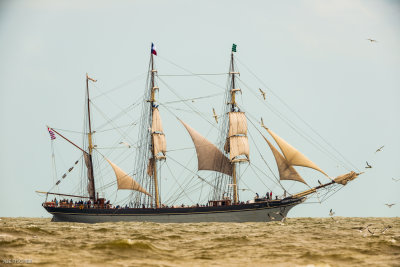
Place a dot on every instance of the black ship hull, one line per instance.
(261, 211)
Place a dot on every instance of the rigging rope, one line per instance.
(201, 77)
(193, 74)
(191, 99)
(120, 86)
(297, 115)
(310, 140)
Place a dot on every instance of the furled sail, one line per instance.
(292, 155)
(238, 144)
(150, 169)
(159, 142)
(345, 178)
(286, 171)
(90, 175)
(208, 155)
(125, 181)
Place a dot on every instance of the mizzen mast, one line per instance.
(88, 155)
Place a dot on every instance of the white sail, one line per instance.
(125, 181)
(160, 145)
(237, 124)
(238, 145)
(292, 155)
(159, 142)
(286, 171)
(208, 155)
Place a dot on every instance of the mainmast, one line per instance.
(158, 143)
(88, 156)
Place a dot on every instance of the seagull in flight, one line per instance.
(396, 180)
(372, 40)
(368, 166)
(215, 115)
(386, 228)
(372, 233)
(390, 205)
(262, 93)
(362, 229)
(331, 213)
(125, 143)
(283, 220)
(379, 149)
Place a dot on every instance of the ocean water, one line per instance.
(297, 242)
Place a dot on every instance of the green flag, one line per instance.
(233, 47)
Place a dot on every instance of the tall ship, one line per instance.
(223, 161)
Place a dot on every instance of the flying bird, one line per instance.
(390, 205)
(396, 180)
(283, 217)
(262, 93)
(125, 143)
(262, 122)
(386, 228)
(379, 149)
(215, 115)
(368, 166)
(372, 233)
(283, 220)
(372, 40)
(362, 229)
(331, 213)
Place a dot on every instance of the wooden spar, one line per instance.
(58, 194)
(72, 143)
(312, 190)
(88, 107)
(235, 191)
(92, 192)
(152, 100)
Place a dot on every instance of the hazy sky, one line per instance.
(312, 54)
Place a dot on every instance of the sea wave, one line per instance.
(299, 242)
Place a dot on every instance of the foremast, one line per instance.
(234, 136)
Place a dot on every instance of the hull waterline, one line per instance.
(255, 212)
